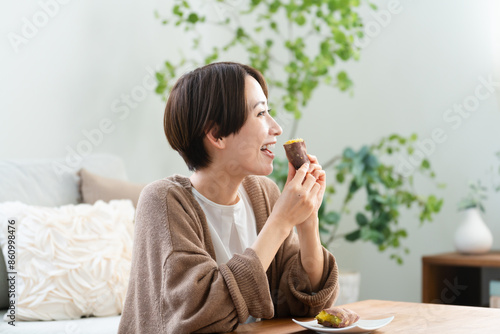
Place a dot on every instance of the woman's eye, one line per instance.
(263, 112)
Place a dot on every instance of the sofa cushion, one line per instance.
(52, 182)
(49, 182)
(95, 187)
(71, 261)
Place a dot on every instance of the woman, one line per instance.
(218, 248)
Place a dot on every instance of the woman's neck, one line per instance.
(217, 185)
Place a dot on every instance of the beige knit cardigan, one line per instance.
(176, 285)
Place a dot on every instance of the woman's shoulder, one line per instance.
(176, 185)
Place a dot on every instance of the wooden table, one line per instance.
(409, 318)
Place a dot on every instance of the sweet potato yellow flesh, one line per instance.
(324, 318)
(294, 141)
(337, 317)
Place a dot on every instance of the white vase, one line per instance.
(473, 236)
(349, 282)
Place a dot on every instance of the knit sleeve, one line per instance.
(199, 295)
(291, 289)
(293, 294)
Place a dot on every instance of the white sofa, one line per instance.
(35, 182)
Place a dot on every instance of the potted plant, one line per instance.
(473, 235)
(286, 27)
(297, 46)
(370, 171)
(475, 197)
(310, 37)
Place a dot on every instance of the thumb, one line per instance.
(298, 174)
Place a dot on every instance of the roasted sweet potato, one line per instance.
(337, 317)
(296, 152)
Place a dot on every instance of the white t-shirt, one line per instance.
(232, 227)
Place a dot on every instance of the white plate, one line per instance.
(361, 326)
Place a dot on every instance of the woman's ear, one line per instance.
(214, 138)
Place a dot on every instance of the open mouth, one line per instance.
(266, 149)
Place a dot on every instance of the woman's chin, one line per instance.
(260, 168)
(268, 170)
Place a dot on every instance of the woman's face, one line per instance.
(250, 150)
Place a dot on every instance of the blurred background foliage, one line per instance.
(298, 46)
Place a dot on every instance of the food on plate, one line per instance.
(296, 152)
(337, 317)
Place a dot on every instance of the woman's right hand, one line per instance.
(295, 204)
(298, 199)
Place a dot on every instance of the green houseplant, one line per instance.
(475, 197)
(311, 38)
(473, 235)
(478, 192)
(387, 193)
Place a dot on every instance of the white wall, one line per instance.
(426, 60)
(78, 69)
(91, 61)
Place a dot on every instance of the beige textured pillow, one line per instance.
(95, 187)
(71, 261)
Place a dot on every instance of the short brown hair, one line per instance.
(212, 95)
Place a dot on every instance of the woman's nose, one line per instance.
(275, 129)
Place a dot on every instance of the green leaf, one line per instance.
(300, 20)
(323, 230)
(160, 76)
(361, 219)
(240, 33)
(193, 18)
(363, 151)
(340, 177)
(371, 161)
(273, 8)
(394, 137)
(177, 11)
(353, 187)
(349, 153)
(339, 37)
(425, 164)
(343, 81)
(332, 218)
(353, 236)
